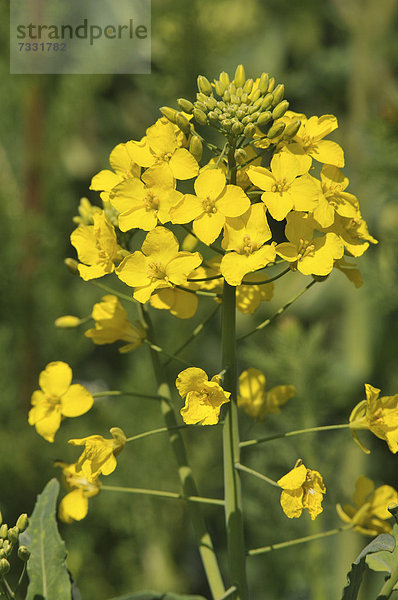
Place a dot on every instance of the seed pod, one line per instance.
(169, 113)
(263, 83)
(204, 85)
(4, 566)
(185, 105)
(291, 130)
(278, 92)
(4, 530)
(240, 76)
(264, 119)
(249, 130)
(220, 88)
(199, 116)
(72, 265)
(13, 535)
(280, 109)
(276, 130)
(271, 84)
(267, 101)
(248, 86)
(224, 79)
(183, 123)
(196, 147)
(23, 553)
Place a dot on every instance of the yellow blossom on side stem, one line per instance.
(112, 325)
(353, 232)
(99, 455)
(74, 506)
(123, 168)
(379, 415)
(333, 199)
(302, 489)
(258, 402)
(370, 511)
(56, 399)
(203, 398)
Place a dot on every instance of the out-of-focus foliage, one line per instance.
(337, 56)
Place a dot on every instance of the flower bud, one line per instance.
(237, 128)
(249, 130)
(213, 116)
(244, 99)
(67, 322)
(267, 101)
(263, 83)
(199, 116)
(210, 102)
(235, 99)
(7, 548)
(256, 95)
(280, 109)
(291, 129)
(196, 147)
(224, 79)
(1, 518)
(226, 123)
(204, 85)
(226, 96)
(246, 120)
(247, 88)
(4, 530)
(264, 118)
(169, 113)
(72, 265)
(220, 88)
(271, 84)
(254, 117)
(13, 535)
(201, 105)
(22, 522)
(23, 553)
(278, 93)
(251, 109)
(240, 155)
(232, 88)
(240, 76)
(185, 105)
(276, 130)
(189, 243)
(183, 123)
(4, 566)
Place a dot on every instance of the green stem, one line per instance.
(277, 436)
(256, 474)
(170, 356)
(194, 333)
(6, 589)
(302, 540)
(388, 586)
(204, 541)
(198, 292)
(121, 393)
(230, 591)
(145, 434)
(267, 280)
(278, 312)
(163, 494)
(104, 287)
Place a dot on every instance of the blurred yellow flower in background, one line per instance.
(255, 400)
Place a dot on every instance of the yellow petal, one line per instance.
(187, 209)
(363, 488)
(73, 507)
(161, 245)
(76, 401)
(294, 479)
(104, 180)
(56, 378)
(183, 165)
(210, 184)
(133, 270)
(233, 202)
(190, 379)
(328, 152)
(291, 502)
(208, 226)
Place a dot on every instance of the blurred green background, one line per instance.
(336, 56)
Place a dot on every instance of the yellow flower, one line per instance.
(255, 400)
(161, 146)
(86, 212)
(180, 303)
(350, 270)
(302, 489)
(246, 236)
(354, 234)
(204, 398)
(214, 201)
(159, 265)
(311, 255)
(99, 454)
(97, 247)
(285, 186)
(112, 324)
(74, 506)
(333, 198)
(123, 168)
(142, 204)
(370, 512)
(57, 399)
(309, 143)
(379, 415)
(248, 297)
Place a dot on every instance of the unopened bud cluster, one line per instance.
(8, 540)
(237, 107)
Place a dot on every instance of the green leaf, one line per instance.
(48, 576)
(384, 560)
(383, 542)
(157, 596)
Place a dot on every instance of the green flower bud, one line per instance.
(1, 518)
(251, 109)
(263, 83)
(224, 79)
(291, 130)
(13, 534)
(248, 86)
(185, 105)
(271, 84)
(256, 95)
(204, 85)
(280, 109)
(23, 553)
(220, 88)
(264, 119)
(246, 120)
(183, 123)
(240, 155)
(254, 116)
(199, 116)
(258, 102)
(267, 101)
(213, 116)
(276, 130)
(249, 130)
(227, 96)
(67, 322)
(4, 530)
(240, 76)
(4, 566)
(169, 113)
(232, 88)
(245, 98)
(7, 548)
(239, 92)
(1, 542)
(240, 114)
(226, 123)
(201, 97)
(235, 99)
(202, 106)
(196, 147)
(237, 128)
(211, 102)
(72, 265)
(278, 92)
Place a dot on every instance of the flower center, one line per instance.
(54, 400)
(305, 248)
(248, 247)
(156, 271)
(280, 186)
(151, 201)
(209, 205)
(308, 143)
